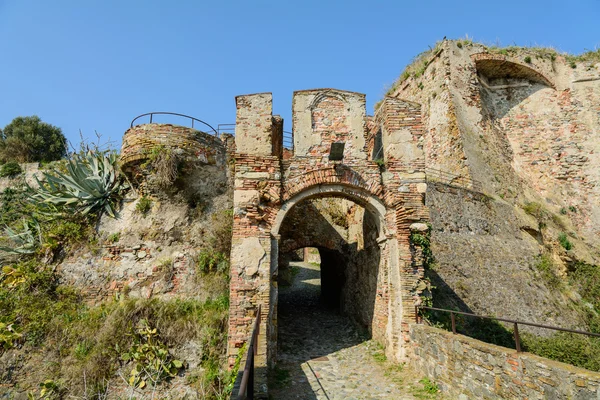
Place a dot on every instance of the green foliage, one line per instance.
(8, 335)
(548, 271)
(578, 350)
(563, 211)
(144, 205)
(527, 59)
(114, 237)
(429, 386)
(52, 319)
(10, 169)
(423, 240)
(210, 261)
(91, 184)
(151, 360)
(25, 242)
(586, 279)
(564, 241)
(28, 139)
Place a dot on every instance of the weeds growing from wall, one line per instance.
(97, 342)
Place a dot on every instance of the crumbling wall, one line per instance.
(524, 124)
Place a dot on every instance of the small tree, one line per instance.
(28, 139)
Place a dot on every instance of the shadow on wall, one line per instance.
(486, 330)
(349, 271)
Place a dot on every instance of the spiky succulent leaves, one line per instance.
(25, 242)
(90, 184)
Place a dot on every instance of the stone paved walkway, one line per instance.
(322, 355)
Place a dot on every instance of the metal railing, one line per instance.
(512, 321)
(247, 385)
(288, 140)
(152, 114)
(226, 128)
(437, 175)
(288, 137)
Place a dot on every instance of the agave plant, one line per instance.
(90, 184)
(25, 242)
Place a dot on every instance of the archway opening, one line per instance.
(328, 276)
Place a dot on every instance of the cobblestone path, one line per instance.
(322, 356)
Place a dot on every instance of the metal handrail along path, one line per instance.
(512, 321)
(247, 385)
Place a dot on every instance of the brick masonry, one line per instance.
(466, 368)
(267, 186)
(187, 142)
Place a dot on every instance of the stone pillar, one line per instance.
(256, 189)
(402, 139)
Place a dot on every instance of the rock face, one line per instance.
(521, 126)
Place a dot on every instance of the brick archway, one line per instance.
(267, 187)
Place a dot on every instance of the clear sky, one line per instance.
(93, 65)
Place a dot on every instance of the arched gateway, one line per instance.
(381, 169)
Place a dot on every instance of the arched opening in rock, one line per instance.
(329, 266)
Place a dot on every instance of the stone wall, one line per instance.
(484, 254)
(188, 143)
(466, 368)
(525, 125)
(267, 186)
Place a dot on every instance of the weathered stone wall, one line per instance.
(525, 126)
(443, 146)
(485, 254)
(188, 143)
(154, 254)
(267, 187)
(465, 368)
(324, 116)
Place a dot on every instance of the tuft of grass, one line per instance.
(547, 269)
(143, 206)
(114, 237)
(429, 386)
(527, 59)
(564, 241)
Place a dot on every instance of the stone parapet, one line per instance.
(188, 143)
(466, 368)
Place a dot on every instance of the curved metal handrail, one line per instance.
(151, 114)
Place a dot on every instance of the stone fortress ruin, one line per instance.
(452, 150)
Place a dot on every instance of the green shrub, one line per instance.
(429, 386)
(527, 59)
(54, 321)
(210, 260)
(114, 237)
(563, 211)
(143, 206)
(28, 139)
(152, 362)
(579, 350)
(564, 241)
(10, 169)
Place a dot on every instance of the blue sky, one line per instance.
(94, 65)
